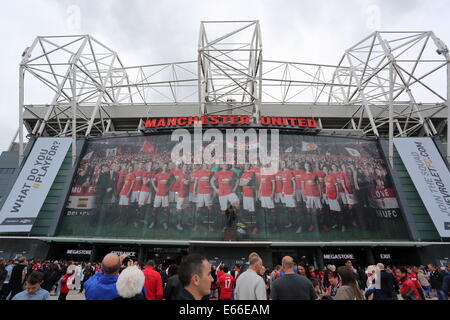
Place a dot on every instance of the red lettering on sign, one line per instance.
(245, 120)
(161, 123)
(171, 122)
(181, 121)
(234, 119)
(224, 119)
(312, 123)
(205, 119)
(301, 122)
(292, 121)
(150, 123)
(214, 120)
(277, 121)
(192, 120)
(264, 120)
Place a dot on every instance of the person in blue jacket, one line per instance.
(102, 285)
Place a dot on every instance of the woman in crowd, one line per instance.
(349, 289)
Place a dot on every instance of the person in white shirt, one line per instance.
(250, 285)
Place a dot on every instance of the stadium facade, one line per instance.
(362, 154)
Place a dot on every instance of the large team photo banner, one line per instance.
(264, 184)
(33, 184)
(431, 178)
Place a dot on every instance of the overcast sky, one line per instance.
(147, 32)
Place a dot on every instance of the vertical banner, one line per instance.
(33, 184)
(431, 178)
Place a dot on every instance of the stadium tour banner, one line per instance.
(268, 184)
(431, 178)
(33, 184)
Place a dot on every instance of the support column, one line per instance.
(369, 256)
(391, 115)
(21, 97)
(93, 257)
(448, 109)
(74, 116)
(319, 258)
(141, 254)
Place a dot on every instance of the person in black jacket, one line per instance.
(388, 285)
(195, 277)
(51, 277)
(18, 275)
(104, 190)
(173, 288)
(87, 273)
(3, 273)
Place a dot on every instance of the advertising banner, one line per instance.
(33, 183)
(267, 184)
(431, 178)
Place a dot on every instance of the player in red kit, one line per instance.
(277, 198)
(266, 194)
(288, 193)
(312, 194)
(203, 195)
(162, 182)
(247, 182)
(227, 184)
(121, 180)
(330, 197)
(145, 196)
(340, 179)
(138, 183)
(182, 195)
(124, 201)
(350, 182)
(298, 174)
(226, 284)
(323, 222)
(173, 190)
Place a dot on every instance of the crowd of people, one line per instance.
(119, 277)
(318, 190)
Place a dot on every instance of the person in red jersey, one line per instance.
(247, 182)
(412, 275)
(153, 283)
(227, 184)
(202, 194)
(161, 182)
(288, 192)
(266, 194)
(331, 197)
(226, 283)
(312, 194)
(138, 173)
(340, 178)
(174, 189)
(351, 185)
(121, 180)
(145, 196)
(318, 170)
(124, 201)
(408, 289)
(277, 198)
(323, 217)
(182, 195)
(298, 175)
(257, 171)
